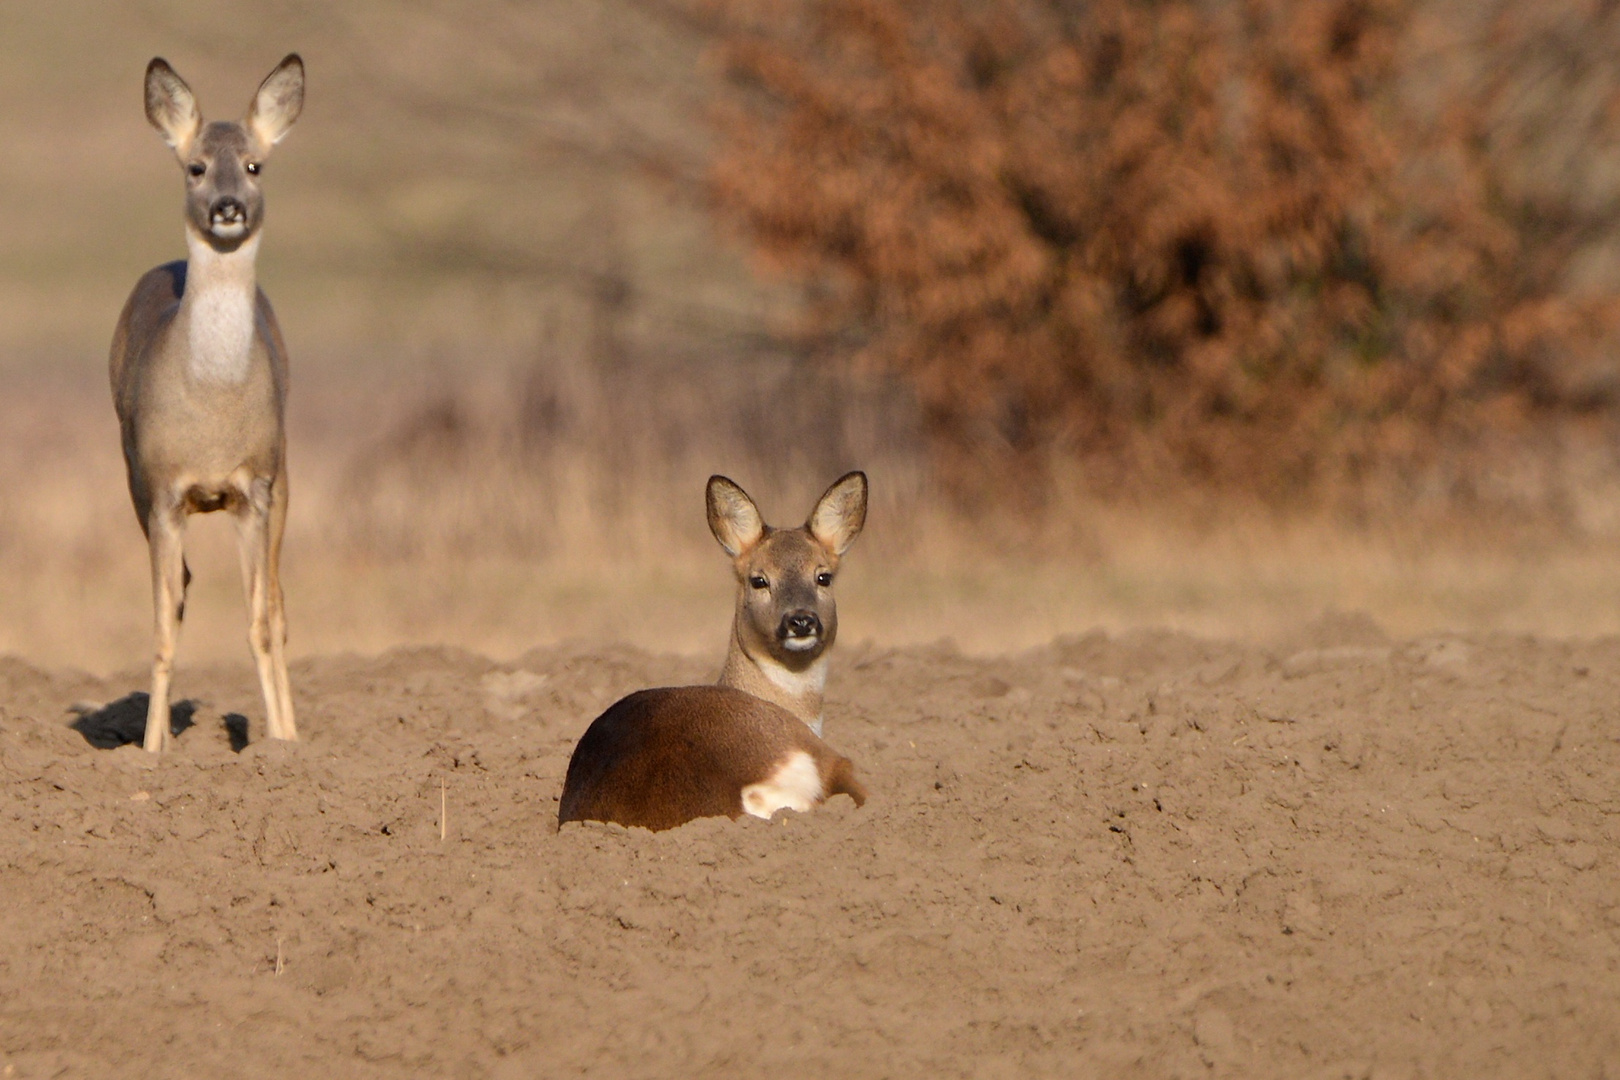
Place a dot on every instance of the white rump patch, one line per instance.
(795, 785)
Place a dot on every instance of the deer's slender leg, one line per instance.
(278, 613)
(253, 530)
(166, 526)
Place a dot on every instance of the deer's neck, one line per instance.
(217, 311)
(799, 692)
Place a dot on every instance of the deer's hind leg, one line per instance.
(260, 516)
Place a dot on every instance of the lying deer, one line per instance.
(752, 744)
(199, 379)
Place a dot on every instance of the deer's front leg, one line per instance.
(166, 526)
(257, 526)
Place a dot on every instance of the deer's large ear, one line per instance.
(171, 107)
(279, 101)
(840, 513)
(733, 517)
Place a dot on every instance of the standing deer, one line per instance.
(199, 379)
(752, 744)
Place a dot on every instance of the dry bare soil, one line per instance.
(1148, 855)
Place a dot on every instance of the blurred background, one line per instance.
(1212, 315)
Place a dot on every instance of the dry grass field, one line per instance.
(467, 540)
(1147, 801)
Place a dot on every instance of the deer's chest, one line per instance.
(219, 336)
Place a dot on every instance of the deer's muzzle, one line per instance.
(227, 217)
(799, 630)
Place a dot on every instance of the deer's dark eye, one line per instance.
(253, 168)
(758, 581)
(196, 168)
(824, 579)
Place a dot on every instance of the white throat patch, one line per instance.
(799, 684)
(812, 680)
(795, 785)
(221, 292)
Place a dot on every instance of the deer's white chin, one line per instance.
(801, 644)
(229, 230)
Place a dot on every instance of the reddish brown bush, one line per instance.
(1173, 238)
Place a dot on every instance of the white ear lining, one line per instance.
(840, 513)
(733, 517)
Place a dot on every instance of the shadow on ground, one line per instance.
(122, 722)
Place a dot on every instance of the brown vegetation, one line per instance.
(1245, 242)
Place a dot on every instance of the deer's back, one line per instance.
(662, 757)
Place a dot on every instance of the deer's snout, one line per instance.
(799, 625)
(227, 211)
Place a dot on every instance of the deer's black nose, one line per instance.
(801, 624)
(228, 209)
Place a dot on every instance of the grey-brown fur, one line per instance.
(199, 379)
(660, 758)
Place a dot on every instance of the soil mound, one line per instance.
(1150, 855)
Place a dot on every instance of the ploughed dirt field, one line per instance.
(1148, 855)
